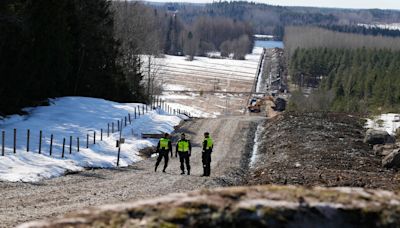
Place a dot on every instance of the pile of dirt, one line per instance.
(262, 206)
(319, 149)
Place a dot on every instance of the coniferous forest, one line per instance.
(361, 78)
(52, 48)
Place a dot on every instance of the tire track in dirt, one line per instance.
(23, 202)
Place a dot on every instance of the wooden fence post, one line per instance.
(51, 144)
(40, 142)
(15, 140)
(129, 117)
(108, 130)
(3, 137)
(118, 125)
(70, 144)
(77, 144)
(87, 140)
(101, 134)
(112, 127)
(94, 137)
(63, 148)
(125, 121)
(28, 135)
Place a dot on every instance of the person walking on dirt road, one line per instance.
(206, 155)
(184, 149)
(163, 148)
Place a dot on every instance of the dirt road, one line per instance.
(21, 202)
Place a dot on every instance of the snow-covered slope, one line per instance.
(389, 122)
(76, 117)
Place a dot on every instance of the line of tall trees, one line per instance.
(313, 37)
(165, 32)
(363, 29)
(348, 72)
(52, 48)
(268, 19)
(351, 80)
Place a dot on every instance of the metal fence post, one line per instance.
(63, 148)
(28, 135)
(15, 140)
(40, 142)
(51, 144)
(70, 144)
(3, 136)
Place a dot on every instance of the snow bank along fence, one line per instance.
(113, 127)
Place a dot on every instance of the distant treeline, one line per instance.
(52, 48)
(268, 19)
(364, 30)
(166, 32)
(349, 72)
(351, 80)
(313, 37)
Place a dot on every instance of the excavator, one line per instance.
(256, 103)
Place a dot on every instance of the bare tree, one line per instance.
(137, 27)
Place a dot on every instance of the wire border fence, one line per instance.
(69, 144)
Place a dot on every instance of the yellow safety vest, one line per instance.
(183, 146)
(209, 143)
(164, 144)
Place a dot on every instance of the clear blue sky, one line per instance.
(382, 4)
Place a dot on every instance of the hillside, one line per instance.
(318, 149)
(78, 117)
(207, 87)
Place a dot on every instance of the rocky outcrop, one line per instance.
(375, 137)
(392, 160)
(259, 206)
(385, 150)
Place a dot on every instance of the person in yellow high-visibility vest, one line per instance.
(208, 145)
(184, 149)
(163, 148)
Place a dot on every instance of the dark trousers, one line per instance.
(206, 159)
(184, 159)
(161, 155)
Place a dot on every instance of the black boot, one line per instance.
(155, 169)
(204, 172)
(183, 172)
(188, 172)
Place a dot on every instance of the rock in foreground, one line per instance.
(392, 160)
(375, 137)
(259, 206)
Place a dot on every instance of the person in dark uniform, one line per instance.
(163, 148)
(206, 154)
(184, 149)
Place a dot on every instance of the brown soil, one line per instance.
(317, 149)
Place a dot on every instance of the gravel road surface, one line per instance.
(233, 136)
